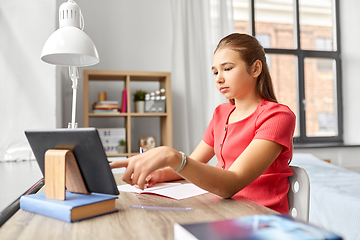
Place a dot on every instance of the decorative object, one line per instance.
(102, 96)
(147, 143)
(156, 101)
(139, 106)
(122, 146)
(70, 46)
(139, 99)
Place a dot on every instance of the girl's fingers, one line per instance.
(134, 179)
(139, 167)
(152, 178)
(119, 164)
(142, 180)
(128, 174)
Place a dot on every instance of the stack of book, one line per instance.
(106, 107)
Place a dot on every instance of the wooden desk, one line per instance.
(129, 223)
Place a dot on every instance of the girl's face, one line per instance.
(231, 76)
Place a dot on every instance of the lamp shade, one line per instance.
(70, 46)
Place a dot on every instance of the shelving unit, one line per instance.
(163, 78)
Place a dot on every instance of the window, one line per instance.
(301, 41)
(324, 44)
(264, 40)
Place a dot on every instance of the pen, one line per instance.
(162, 208)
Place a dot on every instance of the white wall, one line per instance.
(27, 85)
(350, 48)
(129, 35)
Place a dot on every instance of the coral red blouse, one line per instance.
(270, 121)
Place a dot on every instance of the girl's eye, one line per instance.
(228, 69)
(215, 73)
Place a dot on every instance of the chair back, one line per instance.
(299, 194)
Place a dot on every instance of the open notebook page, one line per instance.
(176, 191)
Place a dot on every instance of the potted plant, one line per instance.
(139, 99)
(122, 146)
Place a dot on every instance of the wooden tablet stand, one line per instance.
(62, 170)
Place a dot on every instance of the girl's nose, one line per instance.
(219, 79)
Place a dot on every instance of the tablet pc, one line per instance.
(88, 150)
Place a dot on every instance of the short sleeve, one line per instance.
(208, 137)
(276, 124)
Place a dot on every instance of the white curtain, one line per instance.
(197, 27)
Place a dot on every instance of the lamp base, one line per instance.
(70, 126)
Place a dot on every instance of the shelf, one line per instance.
(108, 114)
(123, 154)
(126, 114)
(118, 155)
(148, 114)
(122, 80)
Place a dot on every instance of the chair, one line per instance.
(299, 194)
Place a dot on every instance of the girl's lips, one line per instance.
(224, 89)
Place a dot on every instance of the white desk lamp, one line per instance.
(70, 46)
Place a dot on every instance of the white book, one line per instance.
(108, 102)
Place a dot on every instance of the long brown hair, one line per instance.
(250, 50)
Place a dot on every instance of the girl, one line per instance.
(251, 135)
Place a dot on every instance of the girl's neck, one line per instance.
(244, 108)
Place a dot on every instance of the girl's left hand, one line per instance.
(140, 166)
(154, 177)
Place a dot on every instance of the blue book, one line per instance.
(253, 227)
(76, 207)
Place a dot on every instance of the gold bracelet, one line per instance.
(183, 162)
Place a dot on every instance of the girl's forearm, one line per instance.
(223, 183)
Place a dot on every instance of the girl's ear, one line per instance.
(257, 68)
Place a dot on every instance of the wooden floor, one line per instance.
(15, 178)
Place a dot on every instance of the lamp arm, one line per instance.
(74, 76)
(82, 22)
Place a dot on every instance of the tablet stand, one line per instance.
(62, 170)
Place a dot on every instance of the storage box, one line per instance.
(112, 132)
(155, 106)
(110, 148)
(110, 138)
